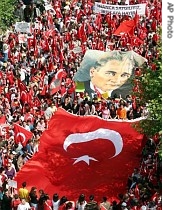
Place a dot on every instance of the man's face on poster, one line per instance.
(111, 75)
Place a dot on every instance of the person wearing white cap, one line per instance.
(124, 206)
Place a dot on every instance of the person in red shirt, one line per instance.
(47, 203)
(15, 202)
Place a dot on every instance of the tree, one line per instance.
(148, 90)
(7, 16)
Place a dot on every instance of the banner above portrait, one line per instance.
(120, 9)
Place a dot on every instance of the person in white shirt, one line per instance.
(24, 205)
(81, 202)
(55, 201)
(26, 126)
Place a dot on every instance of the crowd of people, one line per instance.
(58, 40)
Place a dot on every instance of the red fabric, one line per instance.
(3, 119)
(28, 116)
(136, 18)
(10, 77)
(73, 3)
(22, 86)
(125, 27)
(98, 21)
(44, 90)
(80, 14)
(103, 208)
(135, 41)
(4, 130)
(24, 97)
(89, 28)
(56, 82)
(50, 32)
(15, 203)
(63, 90)
(52, 167)
(37, 102)
(81, 33)
(62, 58)
(30, 43)
(21, 134)
(48, 205)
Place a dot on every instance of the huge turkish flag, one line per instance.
(83, 154)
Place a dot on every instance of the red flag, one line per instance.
(21, 86)
(135, 41)
(24, 97)
(35, 44)
(73, 3)
(134, 102)
(10, 77)
(21, 134)
(98, 21)
(61, 56)
(103, 1)
(108, 19)
(37, 102)
(2, 119)
(136, 18)
(51, 32)
(89, 29)
(83, 154)
(28, 116)
(81, 33)
(80, 14)
(30, 42)
(56, 82)
(125, 27)
(4, 130)
(44, 90)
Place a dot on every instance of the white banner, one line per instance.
(120, 9)
(12, 183)
(77, 50)
(23, 27)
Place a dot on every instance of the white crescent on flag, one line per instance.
(56, 75)
(101, 133)
(23, 136)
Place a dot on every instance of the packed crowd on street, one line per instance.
(28, 64)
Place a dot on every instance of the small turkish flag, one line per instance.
(56, 81)
(21, 134)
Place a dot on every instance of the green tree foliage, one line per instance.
(148, 90)
(7, 17)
